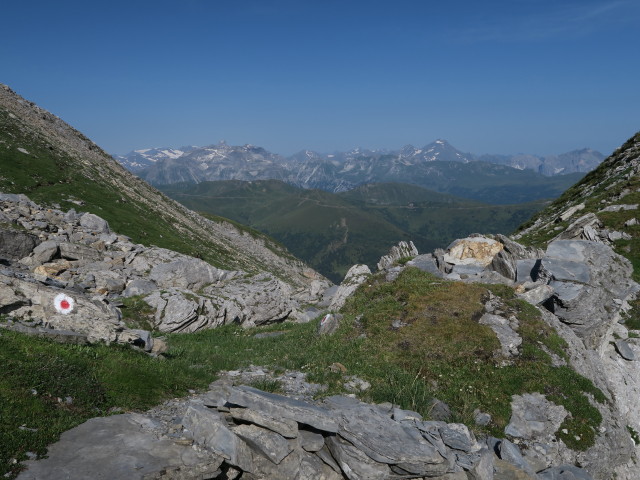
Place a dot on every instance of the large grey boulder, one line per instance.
(285, 427)
(590, 281)
(15, 244)
(564, 472)
(139, 286)
(44, 253)
(260, 300)
(427, 263)
(76, 251)
(385, 440)
(355, 463)
(94, 223)
(505, 262)
(270, 444)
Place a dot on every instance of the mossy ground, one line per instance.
(442, 352)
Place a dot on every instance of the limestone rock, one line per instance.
(397, 252)
(537, 295)
(473, 251)
(268, 443)
(208, 428)
(383, 439)
(187, 273)
(44, 252)
(285, 427)
(75, 251)
(139, 286)
(355, 277)
(94, 223)
(586, 277)
(15, 244)
(311, 441)
(329, 324)
(35, 301)
(564, 472)
(119, 446)
(569, 212)
(279, 406)
(355, 463)
(624, 350)
(534, 417)
(509, 339)
(427, 263)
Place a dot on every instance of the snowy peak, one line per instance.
(334, 172)
(138, 160)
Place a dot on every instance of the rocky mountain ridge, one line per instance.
(437, 166)
(581, 160)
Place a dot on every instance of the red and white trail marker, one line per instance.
(63, 303)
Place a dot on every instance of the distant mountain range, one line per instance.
(498, 179)
(331, 232)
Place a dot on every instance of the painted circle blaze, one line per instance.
(63, 303)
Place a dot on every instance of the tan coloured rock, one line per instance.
(52, 269)
(473, 251)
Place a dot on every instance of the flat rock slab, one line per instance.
(283, 407)
(285, 427)
(534, 417)
(624, 350)
(564, 472)
(208, 429)
(564, 270)
(426, 263)
(268, 443)
(383, 439)
(113, 448)
(537, 295)
(525, 268)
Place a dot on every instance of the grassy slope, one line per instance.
(332, 232)
(442, 352)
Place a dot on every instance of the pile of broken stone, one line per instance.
(45, 252)
(241, 432)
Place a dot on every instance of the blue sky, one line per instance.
(490, 77)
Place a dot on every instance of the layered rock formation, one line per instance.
(47, 253)
(240, 432)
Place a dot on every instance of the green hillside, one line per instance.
(332, 232)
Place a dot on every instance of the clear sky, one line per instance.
(506, 76)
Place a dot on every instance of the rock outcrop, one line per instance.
(47, 252)
(581, 288)
(240, 432)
